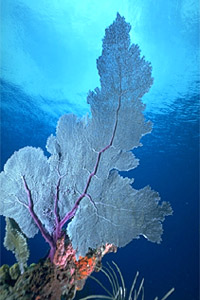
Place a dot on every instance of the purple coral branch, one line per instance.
(75, 207)
(57, 233)
(71, 214)
(43, 231)
(51, 240)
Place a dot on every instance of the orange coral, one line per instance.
(85, 266)
(64, 253)
(65, 256)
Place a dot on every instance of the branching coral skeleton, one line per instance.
(86, 155)
(52, 239)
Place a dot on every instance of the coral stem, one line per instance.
(43, 231)
(57, 232)
(69, 215)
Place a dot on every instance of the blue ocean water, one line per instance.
(45, 73)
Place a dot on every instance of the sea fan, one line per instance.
(80, 181)
(77, 195)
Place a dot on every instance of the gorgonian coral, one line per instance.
(79, 184)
